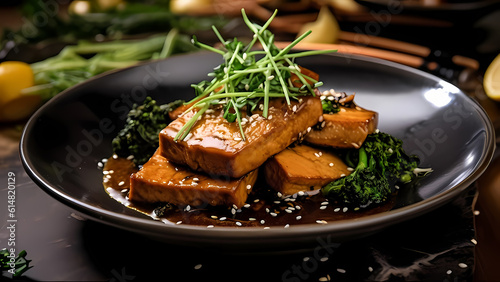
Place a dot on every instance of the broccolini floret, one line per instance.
(379, 164)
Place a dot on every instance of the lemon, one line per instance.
(491, 80)
(14, 105)
(324, 30)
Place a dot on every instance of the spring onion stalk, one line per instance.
(243, 81)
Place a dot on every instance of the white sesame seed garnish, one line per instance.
(196, 179)
(237, 139)
(268, 210)
(238, 223)
(476, 212)
(188, 136)
(244, 56)
(261, 107)
(267, 227)
(124, 190)
(287, 225)
(273, 214)
(252, 219)
(336, 210)
(223, 218)
(188, 207)
(350, 169)
(214, 216)
(271, 77)
(246, 206)
(331, 164)
(396, 187)
(321, 221)
(270, 117)
(323, 207)
(256, 200)
(262, 221)
(345, 209)
(301, 193)
(198, 266)
(473, 241)
(306, 259)
(298, 217)
(288, 210)
(370, 268)
(179, 222)
(317, 155)
(210, 226)
(277, 202)
(324, 279)
(249, 187)
(449, 271)
(323, 259)
(297, 207)
(294, 108)
(321, 118)
(462, 265)
(233, 211)
(340, 270)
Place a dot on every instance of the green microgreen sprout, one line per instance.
(243, 81)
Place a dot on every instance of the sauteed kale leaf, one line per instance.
(139, 137)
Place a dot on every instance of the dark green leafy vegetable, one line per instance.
(139, 137)
(20, 264)
(378, 165)
(332, 103)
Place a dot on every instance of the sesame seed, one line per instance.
(323, 259)
(222, 218)
(306, 259)
(336, 210)
(294, 108)
(214, 216)
(124, 190)
(308, 129)
(262, 221)
(370, 268)
(345, 209)
(261, 107)
(267, 210)
(449, 271)
(246, 206)
(321, 118)
(244, 56)
(323, 207)
(210, 226)
(287, 225)
(323, 124)
(321, 221)
(340, 270)
(350, 169)
(188, 136)
(179, 222)
(476, 212)
(324, 203)
(273, 214)
(356, 208)
(252, 219)
(196, 179)
(288, 210)
(270, 117)
(271, 77)
(322, 98)
(473, 241)
(249, 187)
(233, 211)
(297, 207)
(396, 186)
(277, 202)
(267, 227)
(317, 155)
(462, 265)
(238, 223)
(256, 200)
(324, 279)
(331, 164)
(237, 139)
(226, 69)
(188, 207)
(198, 266)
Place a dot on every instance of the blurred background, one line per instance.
(453, 39)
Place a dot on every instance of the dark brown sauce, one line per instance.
(264, 208)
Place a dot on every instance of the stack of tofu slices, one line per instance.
(216, 165)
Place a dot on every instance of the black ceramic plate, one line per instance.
(64, 141)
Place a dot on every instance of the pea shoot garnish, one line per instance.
(243, 81)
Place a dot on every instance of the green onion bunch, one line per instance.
(243, 81)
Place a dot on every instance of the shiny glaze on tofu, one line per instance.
(215, 146)
(346, 129)
(159, 180)
(303, 168)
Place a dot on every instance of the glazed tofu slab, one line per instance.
(216, 146)
(303, 168)
(346, 129)
(159, 180)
